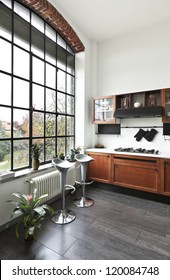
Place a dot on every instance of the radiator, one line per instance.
(49, 183)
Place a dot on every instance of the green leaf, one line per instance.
(40, 210)
(15, 214)
(48, 208)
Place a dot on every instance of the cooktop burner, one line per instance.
(138, 150)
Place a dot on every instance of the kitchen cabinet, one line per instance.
(139, 99)
(150, 174)
(99, 170)
(103, 109)
(166, 105)
(139, 104)
(165, 177)
(141, 173)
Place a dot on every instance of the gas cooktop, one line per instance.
(138, 150)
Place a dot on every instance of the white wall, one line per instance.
(135, 62)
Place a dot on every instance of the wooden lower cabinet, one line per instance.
(165, 177)
(99, 170)
(141, 173)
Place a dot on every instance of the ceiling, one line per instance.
(104, 19)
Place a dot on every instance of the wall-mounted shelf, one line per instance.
(109, 129)
(139, 104)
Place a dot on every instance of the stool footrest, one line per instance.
(85, 183)
(70, 187)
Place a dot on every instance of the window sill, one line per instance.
(26, 172)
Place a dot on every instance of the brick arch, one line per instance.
(49, 13)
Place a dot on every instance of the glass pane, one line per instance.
(70, 145)
(70, 105)
(7, 3)
(38, 71)
(60, 125)
(5, 22)
(70, 50)
(61, 102)
(21, 32)
(5, 56)
(21, 93)
(21, 153)
(50, 54)
(5, 122)
(5, 154)
(20, 123)
(5, 96)
(50, 100)
(61, 58)
(104, 109)
(50, 32)
(50, 76)
(49, 149)
(37, 22)
(50, 125)
(38, 124)
(61, 42)
(37, 46)
(61, 145)
(22, 11)
(70, 63)
(21, 63)
(70, 126)
(38, 97)
(70, 84)
(61, 80)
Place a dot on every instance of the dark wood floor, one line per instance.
(119, 226)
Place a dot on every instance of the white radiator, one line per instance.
(49, 183)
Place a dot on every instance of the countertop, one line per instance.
(111, 151)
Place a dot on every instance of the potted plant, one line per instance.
(35, 153)
(61, 155)
(32, 214)
(74, 152)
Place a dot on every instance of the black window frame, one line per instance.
(31, 110)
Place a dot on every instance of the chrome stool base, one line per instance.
(83, 202)
(62, 217)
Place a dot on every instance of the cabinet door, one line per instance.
(137, 173)
(166, 105)
(165, 180)
(103, 110)
(99, 170)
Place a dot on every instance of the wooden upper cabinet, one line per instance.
(103, 109)
(165, 96)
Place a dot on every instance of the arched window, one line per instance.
(37, 78)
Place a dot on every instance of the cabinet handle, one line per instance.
(156, 171)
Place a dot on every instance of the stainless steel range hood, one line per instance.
(141, 112)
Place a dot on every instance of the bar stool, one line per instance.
(63, 216)
(83, 201)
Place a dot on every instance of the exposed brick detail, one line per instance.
(49, 13)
